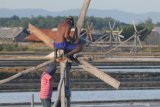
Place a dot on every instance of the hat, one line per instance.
(51, 68)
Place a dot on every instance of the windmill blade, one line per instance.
(42, 36)
(110, 38)
(101, 37)
(135, 39)
(121, 36)
(119, 39)
(114, 36)
(100, 74)
(141, 31)
(90, 36)
(35, 68)
(120, 32)
(134, 26)
(139, 41)
(107, 37)
(114, 25)
(110, 25)
(82, 15)
(86, 40)
(91, 25)
(82, 34)
(88, 25)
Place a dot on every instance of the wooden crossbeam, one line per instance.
(100, 74)
(42, 36)
(25, 72)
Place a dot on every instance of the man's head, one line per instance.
(51, 68)
(70, 18)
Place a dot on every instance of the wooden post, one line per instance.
(65, 90)
(58, 92)
(62, 69)
(67, 84)
(32, 102)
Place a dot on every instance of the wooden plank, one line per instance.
(82, 15)
(100, 74)
(25, 72)
(42, 36)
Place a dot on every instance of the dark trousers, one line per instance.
(46, 102)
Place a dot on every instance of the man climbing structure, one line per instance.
(63, 40)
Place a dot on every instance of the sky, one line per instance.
(134, 6)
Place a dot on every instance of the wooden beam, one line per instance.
(25, 72)
(100, 74)
(42, 36)
(82, 15)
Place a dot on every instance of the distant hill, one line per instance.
(116, 14)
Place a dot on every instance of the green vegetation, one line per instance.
(14, 47)
(51, 22)
(128, 30)
(98, 24)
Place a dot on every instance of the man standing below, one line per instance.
(46, 85)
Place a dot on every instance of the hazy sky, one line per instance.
(136, 6)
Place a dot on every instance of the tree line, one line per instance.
(101, 24)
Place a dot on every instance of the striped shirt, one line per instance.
(46, 86)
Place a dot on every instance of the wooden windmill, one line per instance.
(114, 35)
(118, 36)
(136, 41)
(87, 33)
(135, 37)
(107, 35)
(64, 69)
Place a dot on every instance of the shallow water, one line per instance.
(104, 95)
